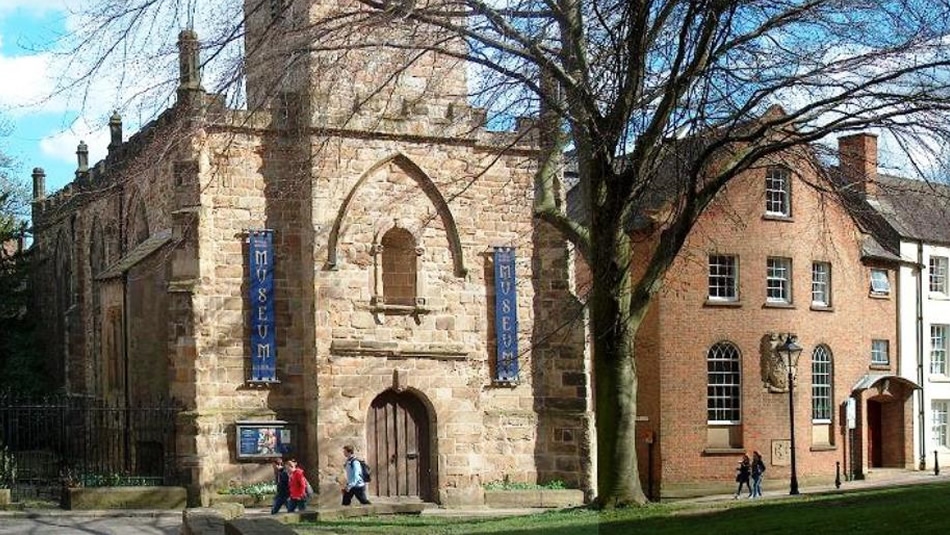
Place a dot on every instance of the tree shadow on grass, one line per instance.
(867, 512)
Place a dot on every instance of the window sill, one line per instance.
(778, 217)
(789, 306)
(420, 307)
(937, 378)
(938, 296)
(822, 308)
(722, 304)
(722, 450)
(340, 347)
(879, 296)
(823, 447)
(880, 367)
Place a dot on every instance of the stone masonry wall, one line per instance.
(483, 433)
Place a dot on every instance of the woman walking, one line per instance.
(758, 472)
(742, 476)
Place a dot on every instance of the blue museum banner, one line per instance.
(506, 316)
(261, 302)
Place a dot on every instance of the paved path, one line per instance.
(58, 522)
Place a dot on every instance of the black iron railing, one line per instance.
(81, 441)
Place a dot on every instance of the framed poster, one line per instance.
(263, 440)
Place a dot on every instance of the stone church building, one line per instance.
(350, 260)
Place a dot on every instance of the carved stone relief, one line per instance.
(774, 366)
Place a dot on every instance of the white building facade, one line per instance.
(924, 310)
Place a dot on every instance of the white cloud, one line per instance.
(37, 7)
(32, 82)
(61, 146)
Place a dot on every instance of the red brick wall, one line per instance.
(672, 345)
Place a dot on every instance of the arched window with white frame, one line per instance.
(723, 396)
(822, 395)
(723, 388)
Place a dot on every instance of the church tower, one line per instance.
(353, 67)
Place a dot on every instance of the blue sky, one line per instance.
(40, 128)
(45, 125)
(45, 128)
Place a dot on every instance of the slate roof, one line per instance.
(901, 208)
(916, 209)
(137, 254)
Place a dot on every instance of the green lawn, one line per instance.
(920, 509)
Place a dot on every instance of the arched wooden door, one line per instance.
(397, 437)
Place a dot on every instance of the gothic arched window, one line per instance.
(399, 267)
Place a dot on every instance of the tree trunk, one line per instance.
(613, 329)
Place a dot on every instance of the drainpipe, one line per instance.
(921, 420)
(125, 359)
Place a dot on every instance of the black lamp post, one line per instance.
(791, 351)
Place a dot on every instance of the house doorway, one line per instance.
(398, 446)
(875, 435)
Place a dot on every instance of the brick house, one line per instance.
(918, 215)
(773, 255)
(385, 220)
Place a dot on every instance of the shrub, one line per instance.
(556, 484)
(7, 468)
(111, 479)
(258, 490)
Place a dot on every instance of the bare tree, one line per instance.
(628, 85)
(14, 199)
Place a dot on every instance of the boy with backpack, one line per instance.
(357, 475)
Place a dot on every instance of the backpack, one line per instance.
(366, 474)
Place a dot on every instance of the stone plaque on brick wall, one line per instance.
(781, 452)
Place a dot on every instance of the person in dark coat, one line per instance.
(758, 472)
(742, 476)
(282, 480)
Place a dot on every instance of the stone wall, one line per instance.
(201, 176)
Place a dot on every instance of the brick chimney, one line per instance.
(857, 161)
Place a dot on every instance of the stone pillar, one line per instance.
(39, 184)
(189, 77)
(115, 131)
(82, 161)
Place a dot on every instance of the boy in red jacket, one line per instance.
(298, 487)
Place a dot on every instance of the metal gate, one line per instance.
(79, 441)
(397, 437)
